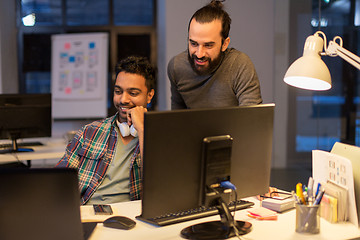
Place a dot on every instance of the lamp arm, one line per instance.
(335, 49)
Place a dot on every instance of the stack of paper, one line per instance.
(330, 167)
(352, 153)
(278, 205)
(340, 193)
(328, 208)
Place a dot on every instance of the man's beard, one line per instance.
(204, 70)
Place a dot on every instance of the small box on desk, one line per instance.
(278, 205)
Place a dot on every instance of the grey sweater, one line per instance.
(233, 83)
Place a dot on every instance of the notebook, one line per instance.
(39, 204)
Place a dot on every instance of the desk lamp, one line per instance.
(310, 72)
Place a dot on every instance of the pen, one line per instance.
(299, 193)
(310, 189)
(317, 189)
(319, 197)
(297, 200)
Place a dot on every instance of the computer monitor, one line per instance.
(172, 161)
(24, 116)
(40, 204)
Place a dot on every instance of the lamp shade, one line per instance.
(309, 71)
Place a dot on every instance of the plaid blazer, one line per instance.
(91, 152)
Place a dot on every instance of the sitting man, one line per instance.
(109, 163)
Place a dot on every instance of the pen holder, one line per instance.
(307, 219)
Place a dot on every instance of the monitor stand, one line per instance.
(223, 229)
(215, 230)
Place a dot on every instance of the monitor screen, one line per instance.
(173, 150)
(24, 116)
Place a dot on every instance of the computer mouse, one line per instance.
(119, 222)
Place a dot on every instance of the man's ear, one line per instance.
(150, 95)
(225, 44)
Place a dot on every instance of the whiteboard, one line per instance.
(79, 75)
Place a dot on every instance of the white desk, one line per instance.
(283, 228)
(53, 149)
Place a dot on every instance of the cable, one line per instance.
(235, 224)
(229, 185)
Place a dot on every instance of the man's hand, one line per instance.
(135, 117)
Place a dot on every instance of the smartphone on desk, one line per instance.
(102, 209)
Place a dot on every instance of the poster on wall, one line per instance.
(79, 75)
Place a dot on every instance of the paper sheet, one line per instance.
(329, 166)
(352, 153)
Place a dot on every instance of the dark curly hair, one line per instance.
(140, 66)
(213, 11)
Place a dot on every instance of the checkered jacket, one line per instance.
(91, 152)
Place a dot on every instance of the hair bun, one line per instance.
(216, 3)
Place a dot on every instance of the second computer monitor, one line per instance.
(24, 116)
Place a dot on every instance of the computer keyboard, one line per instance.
(192, 214)
(21, 144)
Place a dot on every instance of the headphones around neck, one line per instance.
(125, 130)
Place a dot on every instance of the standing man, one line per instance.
(106, 155)
(209, 74)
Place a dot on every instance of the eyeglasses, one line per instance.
(277, 195)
